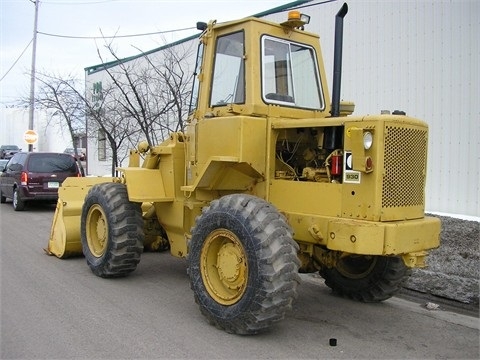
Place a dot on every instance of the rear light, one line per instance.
(24, 178)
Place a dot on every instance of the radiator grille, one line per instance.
(405, 166)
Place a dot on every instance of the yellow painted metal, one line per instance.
(171, 216)
(96, 228)
(394, 188)
(230, 162)
(134, 159)
(64, 238)
(306, 197)
(411, 236)
(367, 237)
(415, 259)
(135, 180)
(224, 268)
(357, 148)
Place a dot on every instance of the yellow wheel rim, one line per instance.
(356, 266)
(97, 230)
(223, 265)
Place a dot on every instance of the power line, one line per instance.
(11, 67)
(115, 36)
(78, 3)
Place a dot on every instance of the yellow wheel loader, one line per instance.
(270, 178)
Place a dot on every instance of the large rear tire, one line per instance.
(366, 278)
(111, 230)
(243, 264)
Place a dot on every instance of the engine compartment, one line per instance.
(310, 154)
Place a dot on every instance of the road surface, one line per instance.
(57, 309)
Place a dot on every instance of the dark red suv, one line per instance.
(35, 176)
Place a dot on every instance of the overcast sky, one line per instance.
(92, 18)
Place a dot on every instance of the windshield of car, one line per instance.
(52, 163)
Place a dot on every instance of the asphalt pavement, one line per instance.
(58, 309)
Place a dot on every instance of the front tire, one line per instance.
(111, 230)
(366, 278)
(243, 264)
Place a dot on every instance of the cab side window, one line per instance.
(228, 85)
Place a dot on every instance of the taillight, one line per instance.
(24, 178)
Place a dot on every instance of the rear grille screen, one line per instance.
(405, 166)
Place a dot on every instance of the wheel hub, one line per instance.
(355, 266)
(224, 267)
(229, 263)
(97, 230)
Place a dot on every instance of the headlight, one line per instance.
(367, 140)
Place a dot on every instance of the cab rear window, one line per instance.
(52, 163)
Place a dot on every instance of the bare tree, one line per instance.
(59, 95)
(175, 73)
(105, 116)
(153, 89)
(145, 98)
(66, 107)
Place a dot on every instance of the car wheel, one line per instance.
(18, 203)
(3, 199)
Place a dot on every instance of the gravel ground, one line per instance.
(453, 270)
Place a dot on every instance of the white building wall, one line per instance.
(96, 167)
(14, 123)
(421, 57)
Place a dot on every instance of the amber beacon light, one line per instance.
(296, 19)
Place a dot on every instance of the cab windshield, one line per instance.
(289, 74)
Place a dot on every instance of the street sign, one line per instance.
(30, 137)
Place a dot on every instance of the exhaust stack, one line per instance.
(337, 60)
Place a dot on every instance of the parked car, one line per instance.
(35, 176)
(3, 163)
(80, 152)
(7, 151)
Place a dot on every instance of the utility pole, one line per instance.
(32, 76)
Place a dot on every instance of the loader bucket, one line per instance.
(65, 238)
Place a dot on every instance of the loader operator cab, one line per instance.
(290, 74)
